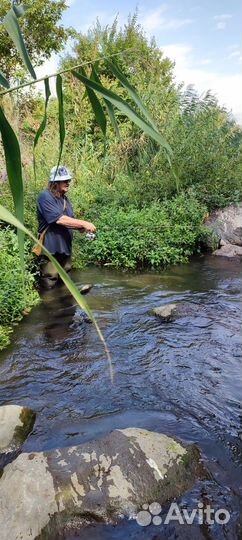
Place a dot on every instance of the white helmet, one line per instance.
(60, 174)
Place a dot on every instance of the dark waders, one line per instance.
(48, 273)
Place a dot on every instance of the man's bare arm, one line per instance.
(74, 223)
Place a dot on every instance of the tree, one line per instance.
(41, 31)
(144, 65)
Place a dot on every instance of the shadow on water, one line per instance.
(181, 378)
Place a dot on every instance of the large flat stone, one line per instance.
(43, 494)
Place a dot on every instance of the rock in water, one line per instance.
(85, 289)
(15, 425)
(228, 250)
(46, 494)
(166, 312)
(226, 224)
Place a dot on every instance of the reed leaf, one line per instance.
(108, 105)
(131, 91)
(3, 81)
(8, 217)
(14, 172)
(96, 107)
(11, 24)
(44, 121)
(62, 131)
(126, 109)
(18, 8)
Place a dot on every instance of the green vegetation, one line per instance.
(151, 237)
(148, 204)
(133, 170)
(16, 298)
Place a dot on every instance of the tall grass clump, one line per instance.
(17, 291)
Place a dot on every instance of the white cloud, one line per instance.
(222, 17)
(234, 54)
(176, 23)
(194, 8)
(233, 47)
(157, 20)
(178, 53)
(205, 62)
(103, 17)
(221, 24)
(70, 3)
(227, 88)
(150, 20)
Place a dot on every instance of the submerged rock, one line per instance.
(44, 494)
(15, 425)
(166, 313)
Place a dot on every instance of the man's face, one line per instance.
(63, 187)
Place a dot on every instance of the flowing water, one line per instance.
(181, 378)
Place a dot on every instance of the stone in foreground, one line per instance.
(51, 494)
(166, 312)
(15, 425)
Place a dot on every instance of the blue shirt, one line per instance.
(58, 238)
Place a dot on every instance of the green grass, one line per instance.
(17, 291)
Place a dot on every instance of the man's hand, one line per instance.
(87, 226)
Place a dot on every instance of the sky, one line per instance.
(203, 37)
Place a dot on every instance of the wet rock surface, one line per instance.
(43, 494)
(173, 312)
(226, 225)
(165, 313)
(15, 425)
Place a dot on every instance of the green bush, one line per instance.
(17, 292)
(162, 234)
(5, 332)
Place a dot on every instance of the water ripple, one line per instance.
(181, 377)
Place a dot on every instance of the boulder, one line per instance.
(228, 250)
(226, 225)
(15, 425)
(85, 289)
(166, 313)
(46, 495)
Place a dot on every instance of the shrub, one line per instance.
(5, 332)
(17, 293)
(162, 234)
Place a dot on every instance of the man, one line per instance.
(55, 216)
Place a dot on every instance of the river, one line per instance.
(182, 378)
